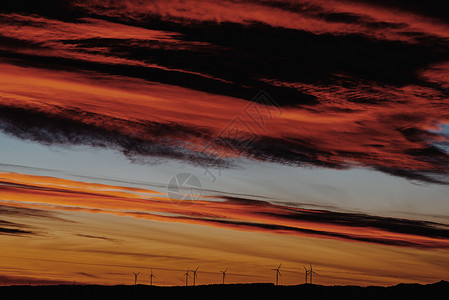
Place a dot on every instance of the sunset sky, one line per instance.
(318, 132)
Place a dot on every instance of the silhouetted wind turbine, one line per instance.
(307, 273)
(277, 274)
(187, 275)
(224, 274)
(195, 276)
(311, 272)
(135, 277)
(151, 277)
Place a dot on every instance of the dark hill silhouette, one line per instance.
(439, 290)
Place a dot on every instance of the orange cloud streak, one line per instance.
(52, 193)
(334, 128)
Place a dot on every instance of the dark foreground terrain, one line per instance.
(438, 290)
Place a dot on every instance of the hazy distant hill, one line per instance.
(438, 290)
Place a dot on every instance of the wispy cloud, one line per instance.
(12, 228)
(223, 211)
(13, 215)
(103, 238)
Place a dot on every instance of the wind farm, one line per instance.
(221, 289)
(192, 274)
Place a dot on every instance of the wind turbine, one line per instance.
(187, 275)
(195, 276)
(311, 272)
(224, 274)
(135, 277)
(277, 274)
(151, 277)
(307, 273)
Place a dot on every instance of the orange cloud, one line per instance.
(305, 15)
(373, 99)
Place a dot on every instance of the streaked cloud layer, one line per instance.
(26, 191)
(358, 85)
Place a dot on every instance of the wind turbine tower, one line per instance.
(224, 275)
(151, 277)
(135, 277)
(307, 273)
(311, 272)
(195, 276)
(187, 275)
(278, 273)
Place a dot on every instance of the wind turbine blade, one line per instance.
(226, 270)
(197, 268)
(279, 273)
(279, 266)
